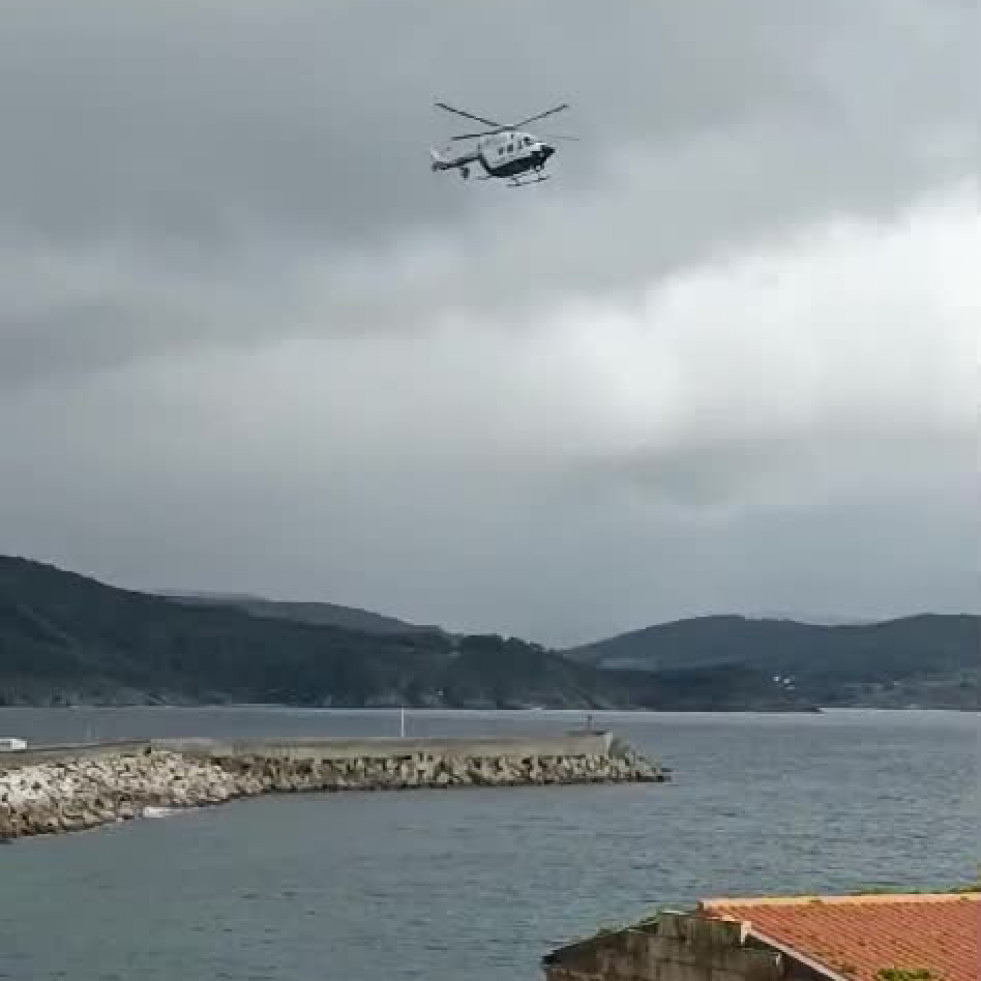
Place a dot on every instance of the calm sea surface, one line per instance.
(475, 885)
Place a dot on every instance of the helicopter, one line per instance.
(504, 150)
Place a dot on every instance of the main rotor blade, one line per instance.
(541, 115)
(476, 136)
(467, 115)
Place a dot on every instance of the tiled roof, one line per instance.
(859, 936)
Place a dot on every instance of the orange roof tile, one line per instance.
(859, 936)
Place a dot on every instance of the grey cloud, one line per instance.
(309, 122)
(475, 550)
(246, 156)
(249, 341)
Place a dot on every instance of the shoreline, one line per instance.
(450, 709)
(531, 710)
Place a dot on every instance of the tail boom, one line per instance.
(439, 162)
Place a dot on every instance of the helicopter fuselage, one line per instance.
(512, 153)
(502, 150)
(507, 154)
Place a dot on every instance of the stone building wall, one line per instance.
(675, 947)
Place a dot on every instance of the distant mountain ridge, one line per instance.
(814, 619)
(313, 612)
(733, 638)
(69, 639)
(924, 658)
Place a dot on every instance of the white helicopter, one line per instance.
(504, 150)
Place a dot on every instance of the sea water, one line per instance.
(478, 884)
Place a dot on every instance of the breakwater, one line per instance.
(63, 789)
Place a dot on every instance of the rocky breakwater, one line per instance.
(74, 794)
(256, 774)
(77, 794)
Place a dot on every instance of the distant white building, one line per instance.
(9, 744)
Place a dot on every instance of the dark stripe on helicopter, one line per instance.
(522, 165)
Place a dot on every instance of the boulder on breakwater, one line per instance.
(75, 793)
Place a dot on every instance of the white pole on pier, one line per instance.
(402, 722)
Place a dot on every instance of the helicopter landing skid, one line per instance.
(537, 180)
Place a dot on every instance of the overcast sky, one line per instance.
(725, 361)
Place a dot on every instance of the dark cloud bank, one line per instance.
(725, 361)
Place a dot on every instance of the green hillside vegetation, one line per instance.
(64, 637)
(67, 639)
(323, 614)
(930, 660)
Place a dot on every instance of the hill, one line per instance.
(65, 637)
(929, 660)
(69, 639)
